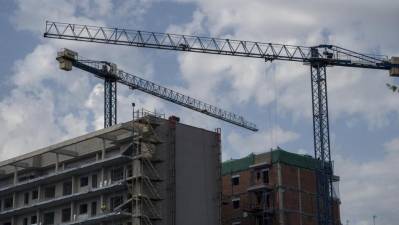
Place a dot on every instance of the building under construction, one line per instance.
(153, 171)
(273, 188)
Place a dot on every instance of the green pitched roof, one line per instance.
(278, 155)
(303, 161)
(236, 165)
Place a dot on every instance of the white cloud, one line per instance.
(26, 119)
(392, 146)
(259, 142)
(47, 105)
(370, 188)
(31, 14)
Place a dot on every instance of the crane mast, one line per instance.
(318, 57)
(112, 75)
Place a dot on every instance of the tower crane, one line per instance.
(317, 57)
(112, 75)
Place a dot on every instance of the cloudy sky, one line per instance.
(41, 105)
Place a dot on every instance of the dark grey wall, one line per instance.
(198, 184)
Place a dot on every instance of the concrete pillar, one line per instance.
(98, 156)
(38, 216)
(103, 150)
(14, 200)
(102, 177)
(57, 161)
(72, 210)
(74, 186)
(103, 205)
(39, 193)
(15, 175)
(102, 198)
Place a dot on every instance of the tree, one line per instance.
(393, 88)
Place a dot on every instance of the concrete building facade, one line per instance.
(273, 188)
(170, 175)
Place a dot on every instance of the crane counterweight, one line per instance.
(65, 57)
(394, 72)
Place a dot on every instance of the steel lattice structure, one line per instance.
(332, 55)
(318, 57)
(110, 109)
(321, 137)
(111, 75)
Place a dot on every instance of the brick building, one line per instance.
(276, 188)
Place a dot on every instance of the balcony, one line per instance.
(101, 218)
(115, 187)
(53, 177)
(258, 208)
(260, 187)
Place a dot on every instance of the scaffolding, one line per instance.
(261, 197)
(143, 190)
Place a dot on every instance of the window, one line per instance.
(67, 188)
(35, 194)
(94, 181)
(25, 221)
(257, 175)
(49, 192)
(33, 219)
(83, 209)
(265, 176)
(117, 174)
(66, 215)
(235, 180)
(93, 208)
(116, 201)
(7, 223)
(236, 203)
(8, 203)
(84, 181)
(26, 177)
(129, 172)
(26, 198)
(48, 218)
(268, 200)
(258, 198)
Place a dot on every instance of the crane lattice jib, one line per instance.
(135, 82)
(329, 54)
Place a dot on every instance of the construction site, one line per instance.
(155, 170)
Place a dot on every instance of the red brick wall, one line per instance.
(291, 195)
(229, 214)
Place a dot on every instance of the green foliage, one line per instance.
(393, 88)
